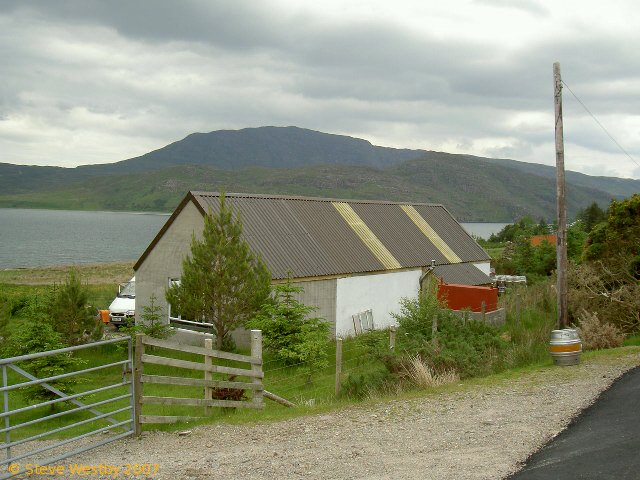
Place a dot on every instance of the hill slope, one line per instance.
(298, 161)
(471, 192)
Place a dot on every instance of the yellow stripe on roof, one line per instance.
(430, 233)
(366, 235)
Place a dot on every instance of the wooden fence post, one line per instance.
(483, 309)
(434, 329)
(392, 338)
(518, 308)
(137, 385)
(338, 364)
(208, 393)
(256, 352)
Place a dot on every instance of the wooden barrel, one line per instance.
(565, 347)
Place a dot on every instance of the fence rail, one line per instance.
(9, 366)
(211, 386)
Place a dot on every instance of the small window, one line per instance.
(177, 320)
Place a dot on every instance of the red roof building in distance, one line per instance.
(536, 240)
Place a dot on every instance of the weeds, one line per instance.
(422, 375)
(596, 334)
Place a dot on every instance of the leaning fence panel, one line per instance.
(71, 418)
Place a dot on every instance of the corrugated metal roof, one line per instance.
(461, 274)
(309, 237)
(452, 232)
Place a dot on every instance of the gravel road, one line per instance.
(476, 430)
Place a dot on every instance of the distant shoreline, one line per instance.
(132, 212)
(90, 273)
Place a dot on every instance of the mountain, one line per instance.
(291, 160)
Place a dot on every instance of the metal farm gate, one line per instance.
(25, 428)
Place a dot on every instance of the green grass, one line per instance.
(289, 382)
(85, 382)
(632, 340)
(100, 296)
(527, 335)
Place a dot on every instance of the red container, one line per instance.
(461, 297)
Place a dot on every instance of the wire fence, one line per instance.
(529, 309)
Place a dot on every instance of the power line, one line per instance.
(601, 126)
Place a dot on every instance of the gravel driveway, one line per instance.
(479, 430)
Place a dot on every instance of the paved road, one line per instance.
(602, 443)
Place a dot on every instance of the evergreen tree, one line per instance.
(223, 282)
(71, 314)
(36, 334)
(591, 216)
(289, 332)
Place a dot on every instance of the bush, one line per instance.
(36, 334)
(152, 323)
(71, 314)
(287, 331)
(469, 347)
(595, 334)
(529, 334)
(606, 289)
(361, 385)
(421, 375)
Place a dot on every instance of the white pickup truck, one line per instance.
(123, 308)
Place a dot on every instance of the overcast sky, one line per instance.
(96, 81)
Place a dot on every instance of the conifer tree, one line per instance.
(71, 313)
(223, 281)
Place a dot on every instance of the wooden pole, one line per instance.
(434, 330)
(338, 364)
(278, 399)
(208, 375)
(561, 243)
(517, 308)
(392, 337)
(256, 352)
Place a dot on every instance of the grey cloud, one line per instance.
(529, 6)
(253, 65)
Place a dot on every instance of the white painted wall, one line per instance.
(485, 267)
(379, 292)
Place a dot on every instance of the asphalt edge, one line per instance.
(576, 418)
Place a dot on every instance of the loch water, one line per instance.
(36, 238)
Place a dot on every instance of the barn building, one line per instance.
(356, 259)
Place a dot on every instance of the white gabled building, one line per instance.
(351, 256)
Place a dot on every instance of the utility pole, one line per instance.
(561, 243)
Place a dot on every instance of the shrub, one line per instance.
(422, 375)
(37, 335)
(361, 385)
(152, 323)
(528, 335)
(71, 314)
(595, 334)
(607, 289)
(288, 332)
(469, 347)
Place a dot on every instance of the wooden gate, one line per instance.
(212, 387)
